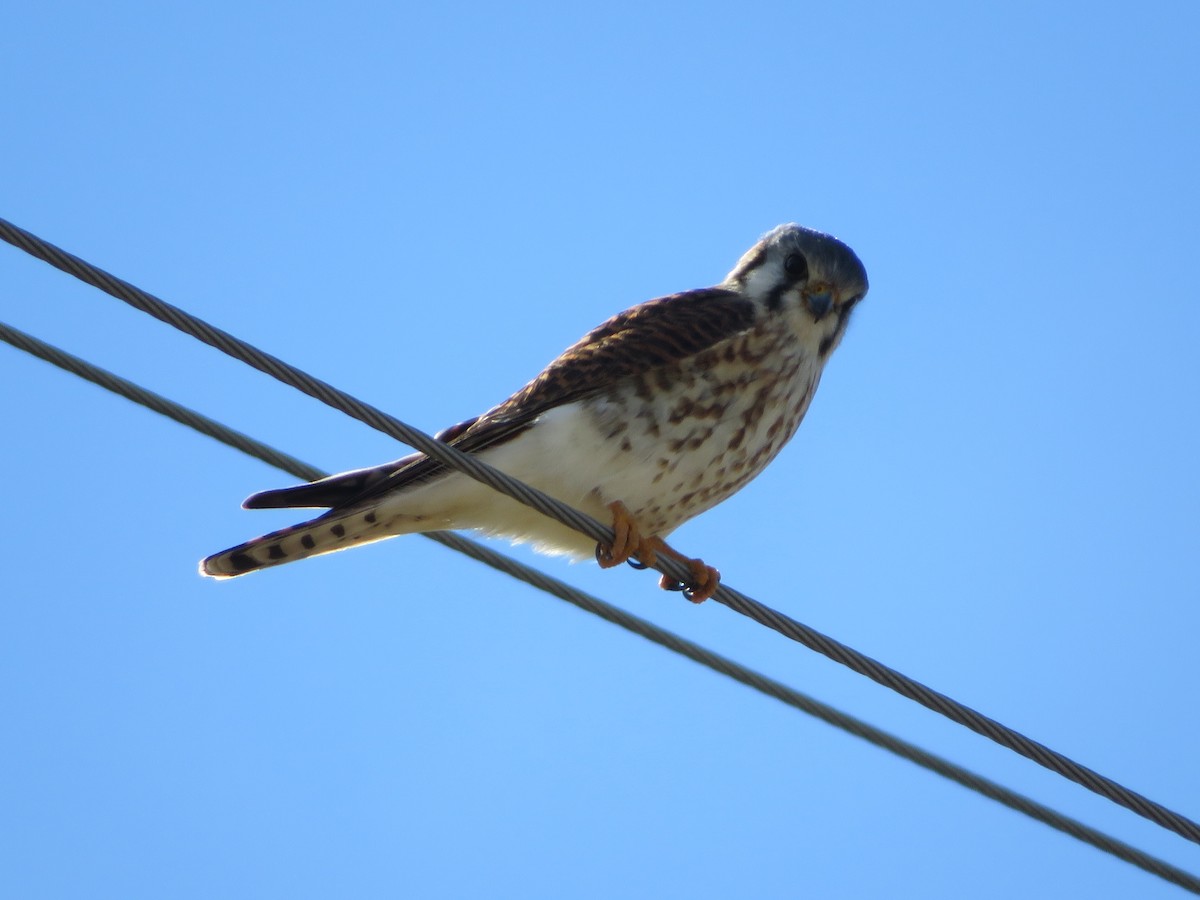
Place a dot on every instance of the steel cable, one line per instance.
(739, 602)
(623, 619)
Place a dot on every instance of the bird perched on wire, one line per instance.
(651, 418)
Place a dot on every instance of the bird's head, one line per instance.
(813, 279)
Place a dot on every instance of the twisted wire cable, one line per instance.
(592, 604)
(561, 512)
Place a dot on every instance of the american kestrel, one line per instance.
(651, 418)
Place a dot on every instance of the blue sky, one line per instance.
(995, 490)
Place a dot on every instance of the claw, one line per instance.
(704, 579)
(628, 546)
(704, 585)
(628, 542)
(626, 538)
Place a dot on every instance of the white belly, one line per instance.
(667, 455)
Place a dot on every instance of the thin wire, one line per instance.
(735, 600)
(623, 619)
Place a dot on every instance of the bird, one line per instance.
(651, 418)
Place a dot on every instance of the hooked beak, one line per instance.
(819, 303)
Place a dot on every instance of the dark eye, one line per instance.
(796, 265)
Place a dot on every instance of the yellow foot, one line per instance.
(628, 544)
(704, 579)
(627, 540)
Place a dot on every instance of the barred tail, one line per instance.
(325, 534)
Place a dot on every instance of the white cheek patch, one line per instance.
(762, 280)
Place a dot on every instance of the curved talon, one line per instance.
(706, 584)
(627, 540)
(628, 546)
(703, 584)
